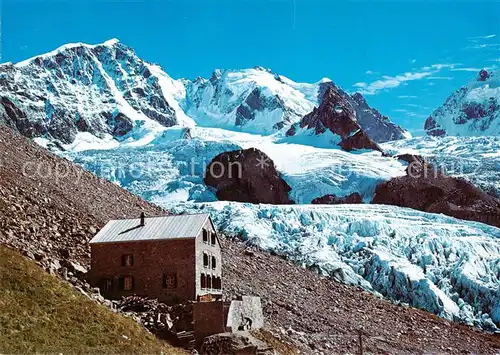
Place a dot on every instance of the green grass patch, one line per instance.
(42, 314)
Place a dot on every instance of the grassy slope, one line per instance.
(39, 313)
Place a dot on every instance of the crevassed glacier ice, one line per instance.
(447, 266)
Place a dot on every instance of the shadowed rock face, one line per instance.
(428, 190)
(377, 126)
(337, 115)
(257, 102)
(247, 175)
(334, 200)
(432, 128)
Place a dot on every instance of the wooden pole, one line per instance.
(360, 339)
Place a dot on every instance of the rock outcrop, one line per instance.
(427, 189)
(247, 175)
(336, 115)
(334, 200)
(377, 126)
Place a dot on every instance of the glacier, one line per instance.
(170, 166)
(447, 266)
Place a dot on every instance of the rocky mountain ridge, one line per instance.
(101, 90)
(337, 118)
(108, 91)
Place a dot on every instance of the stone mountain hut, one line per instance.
(174, 258)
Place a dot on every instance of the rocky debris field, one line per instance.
(51, 218)
(319, 315)
(50, 207)
(235, 343)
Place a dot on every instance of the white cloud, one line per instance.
(467, 69)
(369, 72)
(440, 78)
(440, 66)
(389, 82)
(482, 37)
(413, 60)
(483, 45)
(407, 97)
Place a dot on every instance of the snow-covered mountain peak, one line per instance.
(76, 48)
(106, 91)
(258, 100)
(472, 110)
(101, 90)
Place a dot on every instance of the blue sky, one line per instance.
(406, 57)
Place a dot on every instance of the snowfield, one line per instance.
(172, 169)
(472, 110)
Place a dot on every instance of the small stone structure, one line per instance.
(245, 314)
(217, 317)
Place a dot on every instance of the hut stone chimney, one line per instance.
(142, 219)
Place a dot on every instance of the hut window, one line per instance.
(209, 281)
(218, 284)
(169, 280)
(205, 236)
(214, 262)
(203, 281)
(127, 260)
(127, 283)
(205, 260)
(212, 235)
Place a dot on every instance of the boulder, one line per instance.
(74, 267)
(240, 343)
(247, 175)
(427, 189)
(330, 199)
